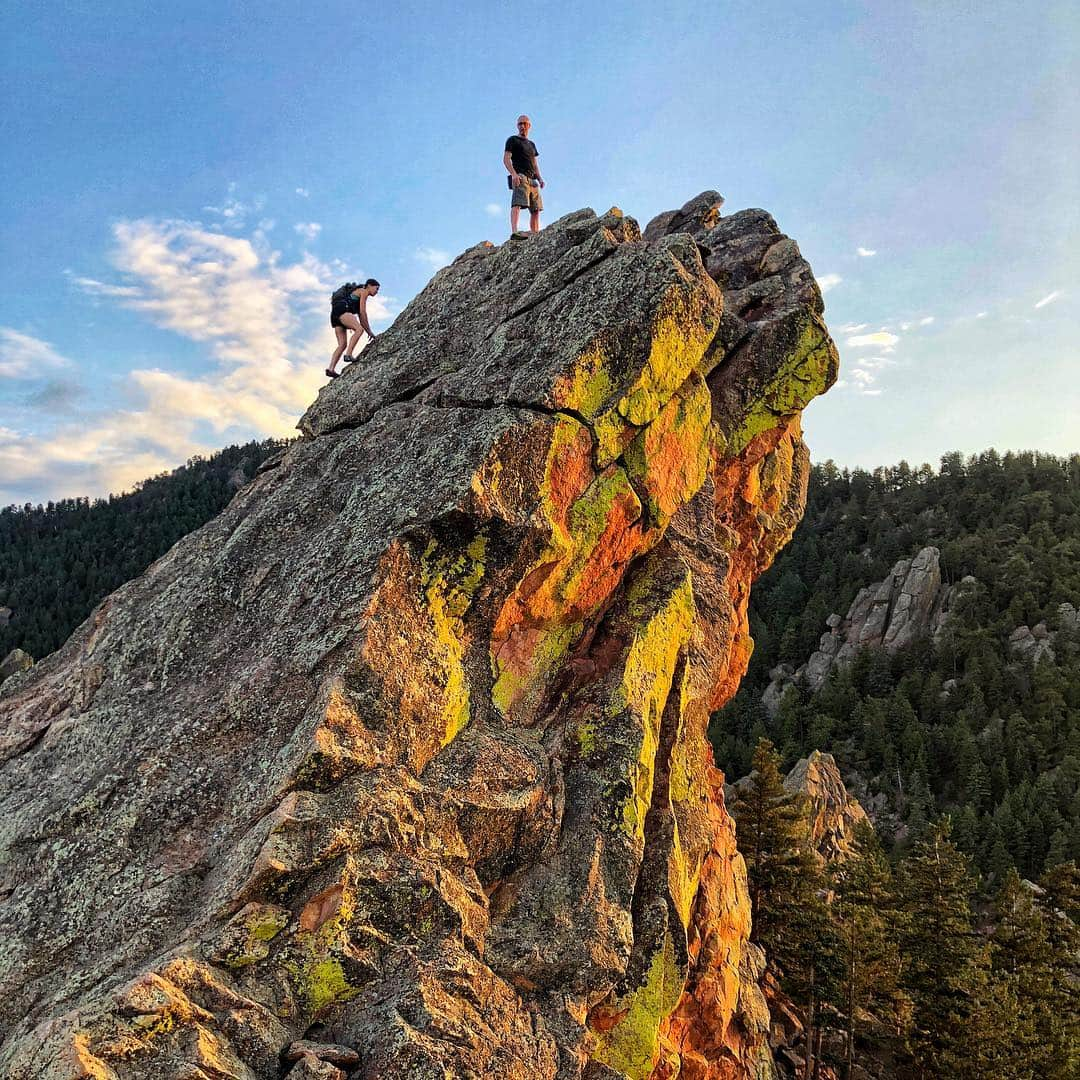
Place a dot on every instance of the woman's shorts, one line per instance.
(336, 311)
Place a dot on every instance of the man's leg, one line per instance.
(515, 211)
(339, 333)
(534, 220)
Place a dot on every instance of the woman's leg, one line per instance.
(341, 335)
(353, 323)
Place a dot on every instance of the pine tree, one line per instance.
(1024, 959)
(771, 828)
(865, 928)
(944, 960)
(789, 917)
(1060, 903)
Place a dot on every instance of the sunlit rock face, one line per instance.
(834, 814)
(404, 754)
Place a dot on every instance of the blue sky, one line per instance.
(183, 184)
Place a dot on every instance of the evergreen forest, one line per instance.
(963, 726)
(57, 561)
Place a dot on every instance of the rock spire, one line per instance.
(399, 766)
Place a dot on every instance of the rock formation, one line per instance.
(398, 767)
(834, 814)
(1036, 643)
(17, 660)
(911, 602)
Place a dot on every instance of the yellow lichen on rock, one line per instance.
(663, 632)
(626, 1030)
(450, 580)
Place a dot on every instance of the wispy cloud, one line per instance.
(308, 230)
(262, 321)
(879, 339)
(303, 192)
(22, 354)
(234, 211)
(828, 281)
(926, 320)
(852, 328)
(433, 257)
(865, 253)
(102, 288)
(494, 209)
(1050, 298)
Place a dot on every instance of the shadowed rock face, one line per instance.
(405, 752)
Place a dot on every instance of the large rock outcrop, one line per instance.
(835, 815)
(398, 767)
(911, 602)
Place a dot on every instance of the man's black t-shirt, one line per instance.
(523, 156)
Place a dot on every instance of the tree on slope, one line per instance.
(945, 963)
(773, 838)
(865, 927)
(790, 918)
(1023, 957)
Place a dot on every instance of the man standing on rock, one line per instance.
(519, 157)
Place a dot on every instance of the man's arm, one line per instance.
(536, 167)
(508, 161)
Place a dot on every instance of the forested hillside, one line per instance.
(966, 725)
(57, 561)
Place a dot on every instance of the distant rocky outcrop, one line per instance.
(834, 814)
(911, 602)
(17, 660)
(1036, 643)
(398, 767)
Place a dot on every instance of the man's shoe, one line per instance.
(332, 374)
(347, 359)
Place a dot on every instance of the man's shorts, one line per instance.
(527, 196)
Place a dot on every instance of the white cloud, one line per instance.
(828, 281)
(880, 338)
(434, 257)
(22, 354)
(865, 253)
(263, 323)
(308, 230)
(104, 288)
(493, 209)
(875, 363)
(303, 192)
(1050, 298)
(926, 321)
(852, 328)
(870, 393)
(235, 212)
(863, 377)
(981, 315)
